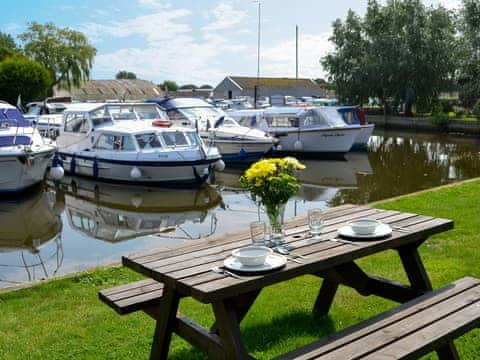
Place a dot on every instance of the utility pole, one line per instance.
(255, 89)
(296, 52)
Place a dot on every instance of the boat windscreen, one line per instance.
(12, 117)
(329, 116)
(176, 138)
(148, 141)
(149, 112)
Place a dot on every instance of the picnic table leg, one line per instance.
(229, 329)
(165, 324)
(418, 277)
(325, 297)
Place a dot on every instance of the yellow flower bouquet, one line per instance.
(274, 181)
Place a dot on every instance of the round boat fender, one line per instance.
(298, 145)
(162, 123)
(219, 165)
(56, 173)
(135, 173)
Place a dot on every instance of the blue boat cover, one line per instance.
(11, 140)
(12, 117)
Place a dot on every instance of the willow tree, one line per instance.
(66, 53)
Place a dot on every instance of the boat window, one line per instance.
(202, 112)
(329, 116)
(176, 138)
(193, 138)
(100, 117)
(115, 142)
(176, 115)
(149, 112)
(282, 121)
(121, 112)
(148, 141)
(76, 123)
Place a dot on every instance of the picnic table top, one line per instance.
(187, 268)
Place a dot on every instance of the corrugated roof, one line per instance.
(248, 83)
(112, 89)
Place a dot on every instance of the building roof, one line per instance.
(101, 90)
(248, 83)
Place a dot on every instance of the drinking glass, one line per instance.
(258, 231)
(315, 222)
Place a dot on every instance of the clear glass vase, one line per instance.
(275, 215)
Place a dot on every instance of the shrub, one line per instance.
(439, 118)
(476, 109)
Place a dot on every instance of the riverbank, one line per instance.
(64, 318)
(424, 124)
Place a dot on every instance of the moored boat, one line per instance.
(236, 143)
(354, 116)
(24, 156)
(307, 130)
(92, 144)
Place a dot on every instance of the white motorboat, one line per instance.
(303, 129)
(236, 143)
(24, 156)
(353, 116)
(46, 116)
(92, 144)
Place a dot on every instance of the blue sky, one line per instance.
(192, 41)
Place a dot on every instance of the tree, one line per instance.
(401, 53)
(21, 76)
(65, 52)
(169, 85)
(188, 86)
(8, 47)
(469, 53)
(206, 86)
(125, 75)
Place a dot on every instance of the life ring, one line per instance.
(162, 123)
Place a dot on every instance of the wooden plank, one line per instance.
(139, 302)
(413, 265)
(419, 317)
(136, 291)
(129, 286)
(325, 297)
(394, 316)
(429, 338)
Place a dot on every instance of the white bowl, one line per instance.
(252, 255)
(364, 226)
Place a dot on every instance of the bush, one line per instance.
(476, 109)
(439, 118)
(448, 105)
(20, 76)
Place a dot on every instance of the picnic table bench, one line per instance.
(428, 320)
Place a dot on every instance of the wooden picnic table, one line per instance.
(186, 272)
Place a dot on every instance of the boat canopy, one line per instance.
(11, 116)
(324, 117)
(12, 140)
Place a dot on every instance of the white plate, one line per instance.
(381, 231)
(272, 262)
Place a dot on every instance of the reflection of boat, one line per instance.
(27, 222)
(24, 156)
(30, 232)
(115, 213)
(318, 173)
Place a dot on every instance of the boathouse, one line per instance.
(241, 86)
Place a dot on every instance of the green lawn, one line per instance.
(64, 319)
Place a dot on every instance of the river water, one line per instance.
(83, 224)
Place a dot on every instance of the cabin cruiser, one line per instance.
(303, 129)
(24, 156)
(354, 116)
(92, 144)
(120, 212)
(46, 115)
(236, 143)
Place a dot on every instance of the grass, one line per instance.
(63, 319)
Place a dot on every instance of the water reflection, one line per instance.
(30, 240)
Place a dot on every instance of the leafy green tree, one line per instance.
(169, 85)
(125, 75)
(206, 86)
(8, 47)
(65, 52)
(188, 86)
(401, 53)
(21, 76)
(469, 54)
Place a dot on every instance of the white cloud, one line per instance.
(12, 27)
(451, 4)
(155, 4)
(224, 16)
(279, 60)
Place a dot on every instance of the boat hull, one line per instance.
(152, 172)
(20, 171)
(328, 141)
(362, 138)
(241, 151)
